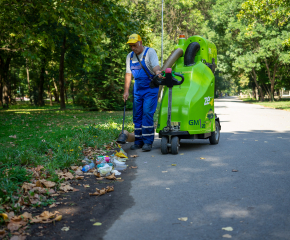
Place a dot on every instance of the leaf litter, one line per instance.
(36, 191)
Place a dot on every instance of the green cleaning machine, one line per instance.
(187, 105)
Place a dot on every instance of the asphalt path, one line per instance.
(202, 187)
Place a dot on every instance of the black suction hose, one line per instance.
(190, 53)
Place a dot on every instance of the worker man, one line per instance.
(145, 98)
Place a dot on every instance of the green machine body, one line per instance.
(192, 108)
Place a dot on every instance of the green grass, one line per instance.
(283, 104)
(52, 138)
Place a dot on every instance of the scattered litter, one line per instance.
(134, 167)
(227, 236)
(133, 156)
(168, 188)
(65, 229)
(228, 229)
(184, 219)
(97, 224)
(202, 158)
(164, 171)
(181, 154)
(234, 170)
(173, 164)
(256, 140)
(152, 156)
(116, 172)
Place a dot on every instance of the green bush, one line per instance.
(85, 101)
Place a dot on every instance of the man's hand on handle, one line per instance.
(125, 96)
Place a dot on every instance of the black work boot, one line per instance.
(147, 147)
(135, 146)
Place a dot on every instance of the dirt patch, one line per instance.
(80, 211)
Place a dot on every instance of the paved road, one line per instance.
(255, 201)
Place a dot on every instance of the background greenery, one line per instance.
(60, 49)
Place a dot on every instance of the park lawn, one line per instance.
(54, 139)
(282, 104)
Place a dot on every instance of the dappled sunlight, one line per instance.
(227, 210)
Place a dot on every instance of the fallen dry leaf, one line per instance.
(228, 229)
(79, 173)
(79, 177)
(110, 189)
(202, 158)
(75, 168)
(227, 236)
(134, 167)
(47, 184)
(26, 215)
(12, 136)
(86, 185)
(75, 190)
(98, 175)
(66, 187)
(184, 219)
(111, 177)
(4, 215)
(173, 164)
(133, 156)
(58, 218)
(45, 217)
(97, 224)
(52, 205)
(65, 229)
(100, 178)
(234, 170)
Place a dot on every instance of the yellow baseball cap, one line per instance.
(134, 38)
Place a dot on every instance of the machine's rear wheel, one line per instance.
(174, 145)
(164, 147)
(215, 136)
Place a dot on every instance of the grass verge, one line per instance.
(33, 136)
(283, 104)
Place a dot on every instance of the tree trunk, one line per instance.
(41, 83)
(254, 91)
(55, 92)
(72, 91)
(65, 94)
(4, 68)
(1, 91)
(272, 79)
(28, 81)
(50, 95)
(61, 74)
(254, 75)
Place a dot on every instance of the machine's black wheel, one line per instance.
(174, 145)
(164, 147)
(215, 136)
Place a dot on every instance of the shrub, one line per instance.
(85, 101)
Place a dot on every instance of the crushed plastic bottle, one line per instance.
(86, 168)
